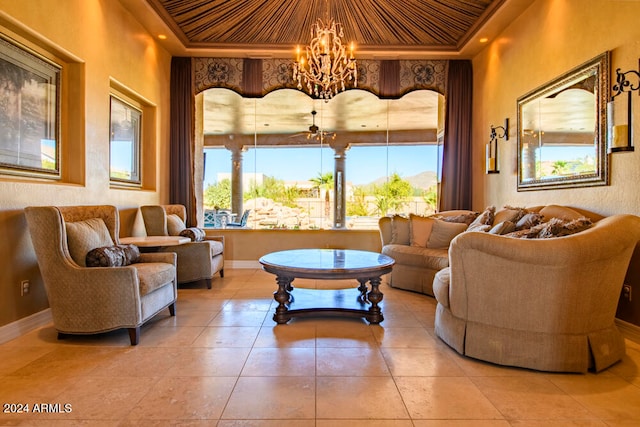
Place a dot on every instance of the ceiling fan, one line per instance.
(314, 131)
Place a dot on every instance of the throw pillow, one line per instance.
(509, 213)
(83, 236)
(194, 233)
(420, 229)
(467, 218)
(400, 233)
(485, 218)
(503, 228)
(175, 225)
(113, 256)
(443, 232)
(555, 227)
(529, 220)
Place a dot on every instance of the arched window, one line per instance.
(301, 163)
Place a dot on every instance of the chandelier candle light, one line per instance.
(325, 68)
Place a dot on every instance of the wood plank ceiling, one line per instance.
(433, 25)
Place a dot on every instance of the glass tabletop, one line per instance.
(327, 259)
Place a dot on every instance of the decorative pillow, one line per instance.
(113, 256)
(555, 227)
(509, 213)
(443, 232)
(485, 218)
(420, 229)
(194, 233)
(83, 236)
(467, 218)
(400, 234)
(503, 227)
(175, 225)
(529, 220)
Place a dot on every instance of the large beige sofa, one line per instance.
(544, 304)
(419, 256)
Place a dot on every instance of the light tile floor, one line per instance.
(223, 361)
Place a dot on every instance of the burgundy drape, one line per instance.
(181, 138)
(455, 192)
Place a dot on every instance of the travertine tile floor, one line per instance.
(223, 362)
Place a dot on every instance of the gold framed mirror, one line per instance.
(562, 130)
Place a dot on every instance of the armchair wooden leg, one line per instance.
(62, 336)
(208, 283)
(134, 335)
(172, 309)
(222, 272)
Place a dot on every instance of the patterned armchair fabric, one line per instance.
(89, 300)
(196, 260)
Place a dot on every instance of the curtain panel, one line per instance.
(455, 191)
(181, 138)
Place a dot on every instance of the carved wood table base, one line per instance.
(328, 264)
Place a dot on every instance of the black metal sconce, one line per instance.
(621, 135)
(497, 132)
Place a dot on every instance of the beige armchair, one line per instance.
(89, 300)
(544, 304)
(196, 260)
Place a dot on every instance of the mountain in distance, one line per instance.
(423, 180)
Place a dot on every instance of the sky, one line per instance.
(363, 164)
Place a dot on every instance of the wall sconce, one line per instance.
(497, 132)
(621, 135)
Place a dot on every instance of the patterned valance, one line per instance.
(254, 78)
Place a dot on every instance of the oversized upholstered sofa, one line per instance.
(420, 245)
(544, 304)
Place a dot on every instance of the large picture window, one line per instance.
(298, 163)
(29, 111)
(125, 131)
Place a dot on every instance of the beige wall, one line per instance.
(548, 39)
(106, 43)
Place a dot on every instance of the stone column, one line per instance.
(236, 178)
(339, 184)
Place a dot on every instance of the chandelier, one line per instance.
(325, 68)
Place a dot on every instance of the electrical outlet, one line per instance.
(626, 292)
(24, 287)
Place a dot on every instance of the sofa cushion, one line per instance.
(562, 212)
(194, 233)
(434, 259)
(154, 275)
(216, 247)
(503, 227)
(113, 256)
(509, 213)
(485, 218)
(400, 230)
(175, 225)
(529, 220)
(83, 236)
(443, 232)
(420, 230)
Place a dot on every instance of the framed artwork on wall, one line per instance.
(29, 111)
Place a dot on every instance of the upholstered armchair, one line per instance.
(544, 304)
(197, 260)
(90, 300)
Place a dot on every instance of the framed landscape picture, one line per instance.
(29, 111)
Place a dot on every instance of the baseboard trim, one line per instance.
(243, 264)
(27, 324)
(629, 330)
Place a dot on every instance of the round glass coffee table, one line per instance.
(327, 264)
